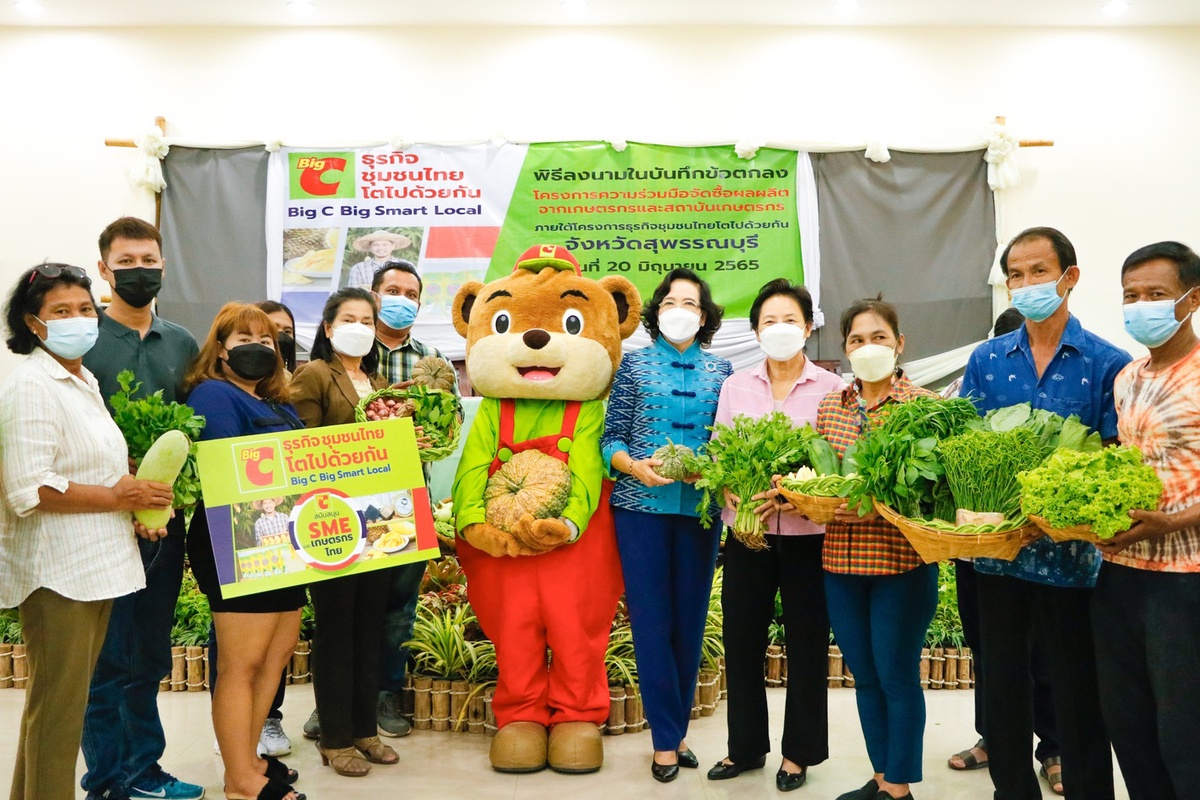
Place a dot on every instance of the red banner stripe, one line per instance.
(461, 242)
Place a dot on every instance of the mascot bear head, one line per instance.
(544, 331)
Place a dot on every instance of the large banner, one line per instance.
(296, 507)
(466, 212)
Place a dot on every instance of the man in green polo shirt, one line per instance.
(123, 737)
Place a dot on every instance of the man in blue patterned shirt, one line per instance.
(1052, 363)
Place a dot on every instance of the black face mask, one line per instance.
(251, 362)
(287, 349)
(137, 286)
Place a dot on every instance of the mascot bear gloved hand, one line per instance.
(531, 500)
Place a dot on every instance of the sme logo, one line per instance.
(320, 176)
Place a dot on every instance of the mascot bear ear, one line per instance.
(463, 302)
(629, 302)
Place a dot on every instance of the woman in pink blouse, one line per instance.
(786, 381)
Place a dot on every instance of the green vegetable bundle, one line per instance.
(741, 458)
(145, 419)
(1097, 489)
(437, 412)
(897, 458)
(1052, 430)
(981, 467)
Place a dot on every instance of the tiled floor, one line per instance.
(455, 765)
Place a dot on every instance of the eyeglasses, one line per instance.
(52, 271)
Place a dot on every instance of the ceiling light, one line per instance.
(845, 6)
(1115, 8)
(30, 8)
(301, 6)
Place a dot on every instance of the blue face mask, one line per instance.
(1152, 322)
(70, 338)
(1039, 301)
(397, 311)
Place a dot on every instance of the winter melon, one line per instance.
(162, 463)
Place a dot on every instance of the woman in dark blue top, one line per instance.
(238, 384)
(668, 390)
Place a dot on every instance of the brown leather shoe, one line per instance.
(575, 747)
(519, 747)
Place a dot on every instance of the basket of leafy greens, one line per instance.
(1088, 495)
(741, 458)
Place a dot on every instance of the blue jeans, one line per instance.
(880, 623)
(398, 625)
(122, 734)
(668, 561)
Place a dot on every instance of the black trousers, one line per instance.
(1044, 724)
(1013, 614)
(349, 617)
(1147, 628)
(791, 566)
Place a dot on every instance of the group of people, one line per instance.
(1110, 632)
(1095, 648)
(97, 603)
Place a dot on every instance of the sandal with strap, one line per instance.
(275, 790)
(345, 761)
(1053, 781)
(968, 758)
(278, 771)
(376, 751)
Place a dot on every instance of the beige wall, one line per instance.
(1122, 105)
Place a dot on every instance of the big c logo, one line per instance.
(321, 176)
(259, 465)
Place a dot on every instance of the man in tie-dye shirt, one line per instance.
(1146, 609)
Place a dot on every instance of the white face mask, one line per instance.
(873, 362)
(782, 340)
(353, 339)
(678, 324)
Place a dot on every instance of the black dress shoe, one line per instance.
(664, 773)
(788, 781)
(867, 792)
(722, 771)
(688, 759)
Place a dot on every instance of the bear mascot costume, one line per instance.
(543, 344)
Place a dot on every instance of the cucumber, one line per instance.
(162, 463)
(823, 457)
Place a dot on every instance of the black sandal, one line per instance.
(275, 790)
(968, 758)
(1056, 780)
(278, 771)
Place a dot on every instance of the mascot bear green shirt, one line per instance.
(543, 344)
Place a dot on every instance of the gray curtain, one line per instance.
(921, 229)
(213, 222)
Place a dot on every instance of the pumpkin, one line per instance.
(674, 459)
(435, 373)
(530, 482)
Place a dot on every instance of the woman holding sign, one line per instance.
(350, 610)
(238, 383)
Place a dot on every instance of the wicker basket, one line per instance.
(1082, 533)
(819, 509)
(934, 545)
(452, 432)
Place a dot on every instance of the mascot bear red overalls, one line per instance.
(542, 346)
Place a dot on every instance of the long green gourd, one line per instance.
(162, 463)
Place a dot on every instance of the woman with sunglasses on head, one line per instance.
(239, 385)
(66, 533)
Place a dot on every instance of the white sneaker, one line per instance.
(273, 741)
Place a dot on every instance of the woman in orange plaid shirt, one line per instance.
(881, 597)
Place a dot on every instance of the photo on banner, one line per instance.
(297, 507)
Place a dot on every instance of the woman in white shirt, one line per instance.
(66, 535)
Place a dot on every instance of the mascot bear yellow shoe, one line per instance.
(541, 558)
